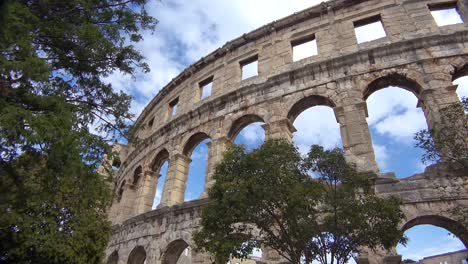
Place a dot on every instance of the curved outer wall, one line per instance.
(416, 55)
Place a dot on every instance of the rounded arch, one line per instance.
(460, 71)
(159, 159)
(137, 256)
(113, 258)
(120, 191)
(306, 103)
(242, 122)
(453, 226)
(173, 251)
(392, 79)
(137, 174)
(193, 142)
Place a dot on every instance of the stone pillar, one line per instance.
(127, 202)
(200, 257)
(433, 101)
(395, 259)
(176, 180)
(378, 256)
(282, 128)
(355, 133)
(272, 256)
(146, 192)
(216, 149)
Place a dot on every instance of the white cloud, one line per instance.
(305, 50)
(402, 126)
(251, 134)
(393, 111)
(370, 32)
(462, 89)
(446, 17)
(381, 156)
(189, 30)
(439, 247)
(317, 125)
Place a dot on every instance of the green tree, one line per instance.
(448, 141)
(309, 208)
(54, 55)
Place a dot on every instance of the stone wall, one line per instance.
(416, 55)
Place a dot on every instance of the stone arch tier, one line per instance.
(453, 226)
(415, 54)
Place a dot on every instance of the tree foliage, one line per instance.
(448, 140)
(269, 198)
(54, 55)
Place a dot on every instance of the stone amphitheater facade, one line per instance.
(416, 55)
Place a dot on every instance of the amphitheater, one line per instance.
(415, 54)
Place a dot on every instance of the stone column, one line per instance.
(146, 192)
(176, 180)
(127, 202)
(433, 101)
(282, 128)
(200, 257)
(216, 149)
(378, 256)
(355, 133)
(272, 256)
(395, 259)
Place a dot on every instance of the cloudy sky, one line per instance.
(189, 30)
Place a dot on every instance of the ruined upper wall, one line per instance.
(331, 23)
(409, 27)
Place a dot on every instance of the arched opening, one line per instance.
(196, 149)
(432, 236)
(177, 251)
(461, 80)
(137, 256)
(255, 257)
(160, 185)
(315, 123)
(113, 258)
(137, 175)
(120, 191)
(248, 131)
(394, 119)
(159, 167)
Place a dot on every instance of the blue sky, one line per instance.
(188, 30)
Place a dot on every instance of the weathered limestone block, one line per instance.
(356, 137)
(279, 129)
